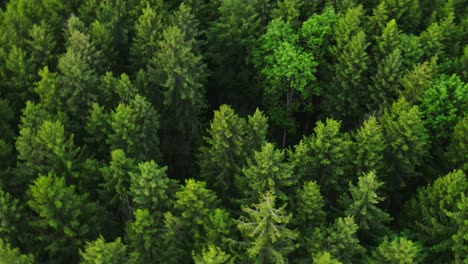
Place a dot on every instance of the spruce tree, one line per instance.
(396, 250)
(100, 251)
(264, 226)
(369, 147)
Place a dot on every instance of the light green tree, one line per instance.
(264, 226)
(100, 251)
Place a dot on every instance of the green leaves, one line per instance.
(100, 251)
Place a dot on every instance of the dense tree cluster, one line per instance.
(233, 131)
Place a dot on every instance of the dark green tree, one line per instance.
(340, 240)
(428, 213)
(12, 224)
(343, 98)
(407, 144)
(181, 73)
(457, 151)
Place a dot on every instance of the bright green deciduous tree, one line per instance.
(100, 251)
(429, 212)
(65, 219)
(264, 226)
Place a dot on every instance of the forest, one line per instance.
(233, 131)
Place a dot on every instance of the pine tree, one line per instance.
(417, 81)
(457, 151)
(182, 74)
(8, 254)
(287, 10)
(150, 189)
(407, 13)
(44, 149)
(231, 41)
(143, 235)
(324, 157)
(100, 251)
(362, 205)
(407, 144)
(369, 147)
(340, 241)
(65, 219)
(396, 250)
(428, 214)
(134, 129)
(264, 226)
(343, 98)
(42, 45)
(224, 152)
(12, 224)
(324, 257)
(212, 255)
(268, 171)
(443, 105)
(195, 222)
(148, 29)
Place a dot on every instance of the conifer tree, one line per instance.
(369, 147)
(362, 203)
(417, 81)
(324, 157)
(181, 72)
(224, 152)
(65, 219)
(457, 153)
(396, 250)
(143, 235)
(195, 222)
(100, 251)
(212, 255)
(340, 241)
(9, 254)
(148, 29)
(231, 38)
(407, 144)
(444, 104)
(12, 228)
(428, 214)
(150, 189)
(324, 257)
(264, 226)
(268, 171)
(343, 98)
(134, 129)
(407, 13)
